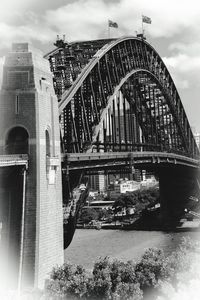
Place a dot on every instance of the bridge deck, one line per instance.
(80, 160)
(14, 160)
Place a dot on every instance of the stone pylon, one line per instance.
(29, 124)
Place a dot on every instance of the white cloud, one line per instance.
(184, 63)
(87, 19)
(191, 48)
(84, 18)
(12, 8)
(11, 33)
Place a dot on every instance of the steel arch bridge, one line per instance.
(118, 96)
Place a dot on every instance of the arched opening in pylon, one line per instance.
(12, 194)
(17, 141)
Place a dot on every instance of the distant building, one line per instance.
(101, 183)
(97, 182)
(93, 193)
(124, 131)
(100, 204)
(129, 186)
(115, 192)
(149, 182)
(137, 176)
(123, 186)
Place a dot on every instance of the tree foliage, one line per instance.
(114, 280)
(140, 199)
(67, 280)
(151, 268)
(88, 215)
(117, 280)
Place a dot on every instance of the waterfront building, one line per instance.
(123, 186)
(93, 193)
(149, 182)
(129, 186)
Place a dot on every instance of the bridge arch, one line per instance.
(86, 99)
(124, 85)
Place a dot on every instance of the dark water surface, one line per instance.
(89, 244)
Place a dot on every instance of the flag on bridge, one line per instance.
(146, 19)
(112, 24)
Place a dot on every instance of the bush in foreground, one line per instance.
(67, 281)
(151, 268)
(114, 280)
(109, 280)
(153, 275)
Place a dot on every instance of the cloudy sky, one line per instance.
(174, 32)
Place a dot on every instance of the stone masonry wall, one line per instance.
(28, 100)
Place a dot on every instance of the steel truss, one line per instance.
(118, 96)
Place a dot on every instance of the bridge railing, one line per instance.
(13, 160)
(132, 147)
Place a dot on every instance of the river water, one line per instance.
(90, 244)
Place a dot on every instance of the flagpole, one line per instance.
(142, 25)
(108, 29)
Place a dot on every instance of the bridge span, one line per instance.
(142, 159)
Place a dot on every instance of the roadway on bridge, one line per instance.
(95, 160)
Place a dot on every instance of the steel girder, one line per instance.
(119, 96)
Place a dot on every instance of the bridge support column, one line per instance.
(29, 123)
(177, 184)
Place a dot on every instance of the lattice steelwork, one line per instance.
(117, 95)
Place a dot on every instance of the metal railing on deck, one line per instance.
(13, 160)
